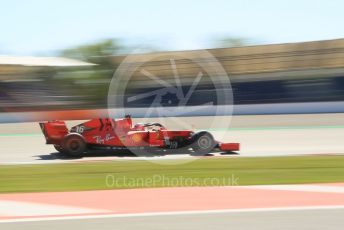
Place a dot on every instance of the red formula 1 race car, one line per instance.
(122, 134)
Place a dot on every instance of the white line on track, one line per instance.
(198, 212)
(301, 188)
(16, 208)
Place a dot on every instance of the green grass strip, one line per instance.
(143, 174)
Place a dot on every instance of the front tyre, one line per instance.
(74, 145)
(203, 143)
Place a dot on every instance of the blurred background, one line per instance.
(285, 57)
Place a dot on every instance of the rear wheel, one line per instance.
(203, 143)
(74, 145)
(58, 148)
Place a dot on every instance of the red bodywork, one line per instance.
(122, 133)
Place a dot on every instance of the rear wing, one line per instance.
(54, 131)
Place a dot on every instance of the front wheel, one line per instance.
(74, 145)
(203, 143)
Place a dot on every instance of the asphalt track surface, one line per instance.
(272, 220)
(262, 135)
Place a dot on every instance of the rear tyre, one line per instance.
(203, 143)
(58, 148)
(74, 145)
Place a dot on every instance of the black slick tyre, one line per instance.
(203, 142)
(74, 145)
